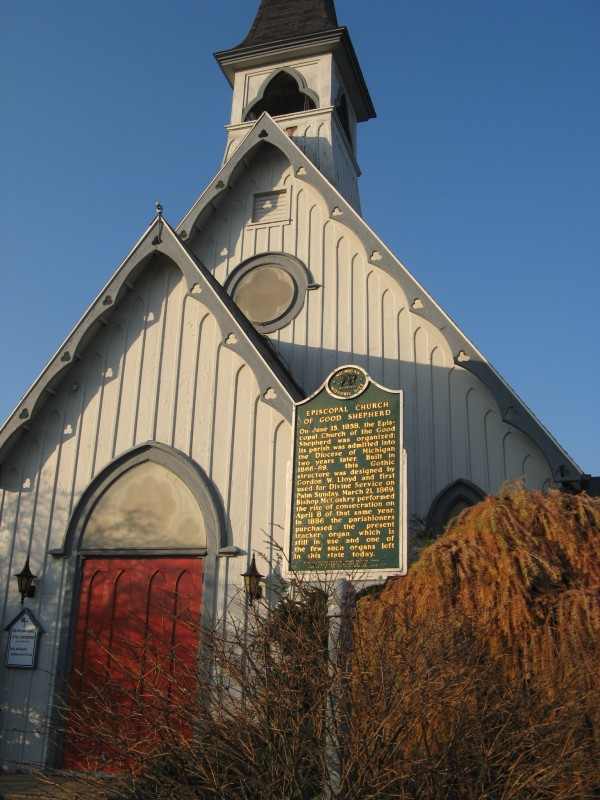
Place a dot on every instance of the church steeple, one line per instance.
(299, 65)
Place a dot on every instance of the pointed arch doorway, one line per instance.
(141, 540)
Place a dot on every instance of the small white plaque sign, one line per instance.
(23, 637)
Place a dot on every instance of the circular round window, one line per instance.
(265, 294)
(269, 290)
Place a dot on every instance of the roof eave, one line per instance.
(252, 347)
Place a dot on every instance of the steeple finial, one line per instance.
(159, 215)
(277, 20)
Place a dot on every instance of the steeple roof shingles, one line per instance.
(277, 20)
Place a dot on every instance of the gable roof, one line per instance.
(159, 237)
(277, 386)
(514, 411)
(277, 20)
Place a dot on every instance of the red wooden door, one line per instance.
(134, 677)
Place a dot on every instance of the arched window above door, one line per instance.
(450, 503)
(151, 499)
(147, 507)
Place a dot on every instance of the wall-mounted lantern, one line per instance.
(252, 580)
(26, 581)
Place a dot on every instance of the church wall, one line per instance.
(317, 133)
(159, 371)
(346, 171)
(320, 137)
(360, 314)
(338, 87)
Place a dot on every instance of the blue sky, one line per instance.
(482, 171)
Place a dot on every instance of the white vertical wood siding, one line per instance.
(158, 371)
(320, 137)
(361, 315)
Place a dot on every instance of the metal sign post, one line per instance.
(348, 510)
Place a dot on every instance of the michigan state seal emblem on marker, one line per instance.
(347, 382)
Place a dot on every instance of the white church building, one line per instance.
(158, 439)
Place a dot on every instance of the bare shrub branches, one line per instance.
(475, 677)
(496, 640)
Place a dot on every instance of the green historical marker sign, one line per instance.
(349, 479)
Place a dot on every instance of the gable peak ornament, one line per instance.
(159, 216)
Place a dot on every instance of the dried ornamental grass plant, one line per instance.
(473, 678)
(492, 688)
